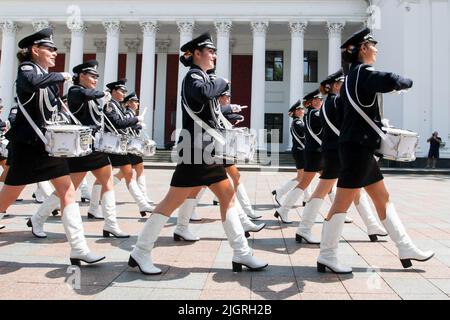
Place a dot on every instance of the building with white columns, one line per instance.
(273, 52)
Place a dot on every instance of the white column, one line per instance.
(112, 50)
(259, 29)
(100, 45)
(132, 46)
(7, 72)
(66, 44)
(297, 29)
(160, 99)
(77, 29)
(149, 29)
(223, 48)
(334, 46)
(186, 29)
(40, 24)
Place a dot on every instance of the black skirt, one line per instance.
(118, 160)
(31, 164)
(134, 159)
(358, 166)
(299, 157)
(93, 161)
(313, 161)
(194, 175)
(331, 164)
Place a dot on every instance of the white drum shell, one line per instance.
(68, 141)
(240, 145)
(3, 149)
(401, 146)
(108, 142)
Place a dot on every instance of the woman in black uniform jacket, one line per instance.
(131, 105)
(197, 92)
(30, 162)
(357, 142)
(116, 115)
(82, 101)
(312, 154)
(297, 112)
(329, 118)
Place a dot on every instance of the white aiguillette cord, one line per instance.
(30, 121)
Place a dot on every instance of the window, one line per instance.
(273, 121)
(310, 66)
(274, 65)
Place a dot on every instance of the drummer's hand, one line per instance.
(240, 120)
(107, 95)
(67, 76)
(140, 118)
(143, 125)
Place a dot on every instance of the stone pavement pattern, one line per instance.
(32, 268)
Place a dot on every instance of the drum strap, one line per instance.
(213, 133)
(30, 121)
(330, 124)
(315, 137)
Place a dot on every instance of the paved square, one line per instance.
(32, 268)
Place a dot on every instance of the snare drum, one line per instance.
(135, 145)
(67, 141)
(108, 142)
(401, 145)
(3, 147)
(240, 144)
(149, 148)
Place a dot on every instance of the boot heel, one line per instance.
(75, 262)
(304, 203)
(132, 263)
(276, 215)
(247, 234)
(106, 234)
(29, 223)
(406, 263)
(176, 237)
(298, 238)
(237, 267)
(143, 214)
(55, 212)
(215, 203)
(321, 267)
(84, 200)
(373, 237)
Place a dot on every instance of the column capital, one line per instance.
(112, 27)
(259, 27)
(223, 27)
(297, 28)
(40, 24)
(76, 26)
(185, 26)
(132, 44)
(162, 46)
(335, 27)
(8, 26)
(149, 27)
(100, 45)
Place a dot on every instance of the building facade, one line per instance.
(273, 52)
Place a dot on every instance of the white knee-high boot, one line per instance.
(244, 200)
(138, 196)
(312, 209)
(73, 226)
(43, 191)
(288, 203)
(2, 214)
(182, 232)
(142, 183)
(407, 251)
(247, 224)
(111, 227)
(37, 221)
(331, 233)
(331, 196)
(374, 228)
(141, 255)
(94, 211)
(242, 254)
(285, 188)
(85, 193)
(194, 215)
(307, 195)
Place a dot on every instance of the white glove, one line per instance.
(385, 123)
(236, 108)
(240, 120)
(143, 125)
(67, 76)
(107, 96)
(140, 118)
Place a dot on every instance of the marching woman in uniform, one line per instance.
(329, 118)
(312, 155)
(116, 120)
(297, 112)
(37, 93)
(357, 143)
(82, 100)
(195, 168)
(131, 104)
